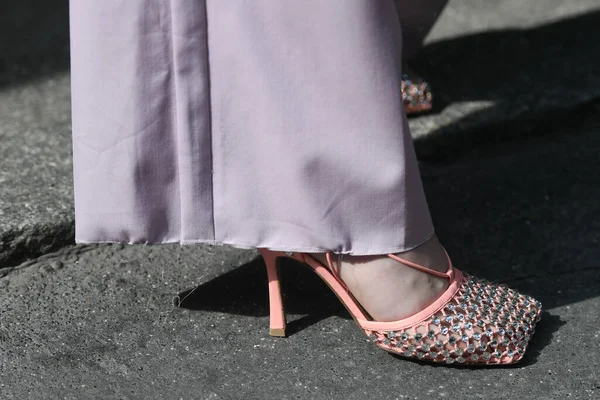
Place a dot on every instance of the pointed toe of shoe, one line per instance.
(481, 323)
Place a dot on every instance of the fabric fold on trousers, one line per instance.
(250, 123)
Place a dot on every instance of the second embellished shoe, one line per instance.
(472, 322)
(416, 96)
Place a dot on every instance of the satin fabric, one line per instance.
(254, 123)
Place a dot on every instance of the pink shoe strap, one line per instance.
(449, 274)
(336, 271)
(331, 275)
(335, 268)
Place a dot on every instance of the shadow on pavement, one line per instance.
(526, 212)
(34, 39)
(496, 65)
(522, 72)
(304, 294)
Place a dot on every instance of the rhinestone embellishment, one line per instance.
(482, 323)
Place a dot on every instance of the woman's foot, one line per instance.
(409, 311)
(389, 290)
(416, 93)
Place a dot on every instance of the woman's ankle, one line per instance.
(389, 290)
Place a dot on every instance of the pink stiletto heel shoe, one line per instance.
(472, 322)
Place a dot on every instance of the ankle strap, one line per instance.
(448, 274)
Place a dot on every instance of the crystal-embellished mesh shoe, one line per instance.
(417, 96)
(472, 322)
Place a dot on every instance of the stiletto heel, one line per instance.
(276, 311)
(472, 322)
